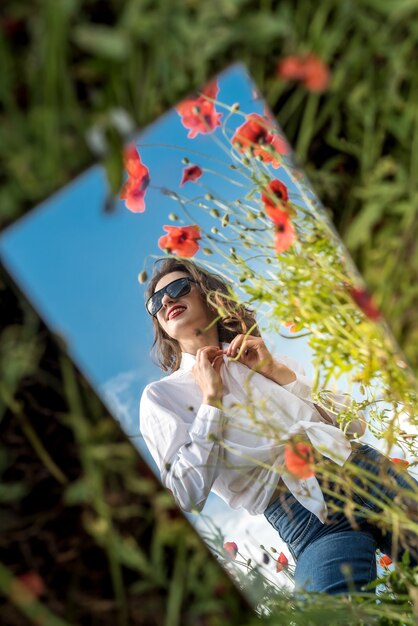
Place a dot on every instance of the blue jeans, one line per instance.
(339, 556)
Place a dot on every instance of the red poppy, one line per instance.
(231, 549)
(210, 90)
(284, 232)
(317, 74)
(132, 162)
(385, 560)
(403, 463)
(274, 198)
(181, 240)
(33, 583)
(282, 562)
(133, 191)
(291, 326)
(199, 114)
(309, 69)
(365, 302)
(192, 173)
(280, 145)
(299, 459)
(292, 68)
(257, 137)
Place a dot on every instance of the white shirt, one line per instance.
(237, 451)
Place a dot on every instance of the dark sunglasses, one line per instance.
(176, 289)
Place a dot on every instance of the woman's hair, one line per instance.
(234, 317)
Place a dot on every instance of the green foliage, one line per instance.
(65, 67)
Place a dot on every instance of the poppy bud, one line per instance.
(231, 549)
(282, 562)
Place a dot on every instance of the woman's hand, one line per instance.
(253, 352)
(206, 372)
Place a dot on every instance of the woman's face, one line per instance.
(195, 313)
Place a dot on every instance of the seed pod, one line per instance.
(225, 220)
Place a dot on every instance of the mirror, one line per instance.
(214, 182)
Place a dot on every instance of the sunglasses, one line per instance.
(176, 289)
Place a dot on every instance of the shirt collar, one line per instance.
(188, 360)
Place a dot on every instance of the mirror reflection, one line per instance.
(250, 367)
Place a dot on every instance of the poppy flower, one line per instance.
(199, 114)
(211, 89)
(132, 162)
(133, 191)
(274, 198)
(284, 232)
(255, 137)
(299, 459)
(33, 583)
(181, 240)
(291, 326)
(309, 70)
(365, 302)
(231, 549)
(282, 562)
(291, 68)
(403, 463)
(192, 173)
(280, 145)
(385, 560)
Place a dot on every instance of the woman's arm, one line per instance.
(289, 374)
(187, 455)
(301, 386)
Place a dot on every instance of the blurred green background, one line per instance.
(106, 544)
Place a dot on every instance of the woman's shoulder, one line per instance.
(161, 386)
(160, 395)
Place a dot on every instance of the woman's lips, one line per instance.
(172, 316)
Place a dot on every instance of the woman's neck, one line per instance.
(192, 345)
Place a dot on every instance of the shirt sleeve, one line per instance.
(336, 402)
(188, 456)
(302, 386)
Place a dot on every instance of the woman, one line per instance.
(219, 422)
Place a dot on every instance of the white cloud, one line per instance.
(121, 395)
